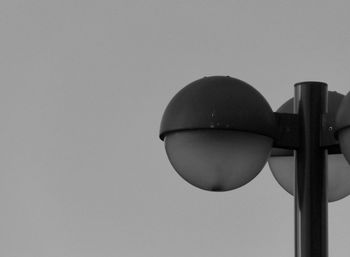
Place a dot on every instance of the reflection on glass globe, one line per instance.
(283, 169)
(217, 160)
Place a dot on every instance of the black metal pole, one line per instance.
(311, 239)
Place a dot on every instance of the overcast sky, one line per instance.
(83, 85)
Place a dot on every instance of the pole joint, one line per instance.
(328, 137)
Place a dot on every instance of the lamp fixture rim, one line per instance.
(165, 133)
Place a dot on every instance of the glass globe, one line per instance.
(344, 141)
(217, 160)
(283, 169)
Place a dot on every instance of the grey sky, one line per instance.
(83, 85)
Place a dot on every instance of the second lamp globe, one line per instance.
(218, 133)
(282, 161)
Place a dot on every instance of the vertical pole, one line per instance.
(311, 239)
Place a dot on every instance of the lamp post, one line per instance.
(219, 132)
(311, 172)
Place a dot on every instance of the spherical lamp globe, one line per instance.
(218, 133)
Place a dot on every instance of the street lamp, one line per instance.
(219, 132)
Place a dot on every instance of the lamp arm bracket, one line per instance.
(328, 136)
(287, 131)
